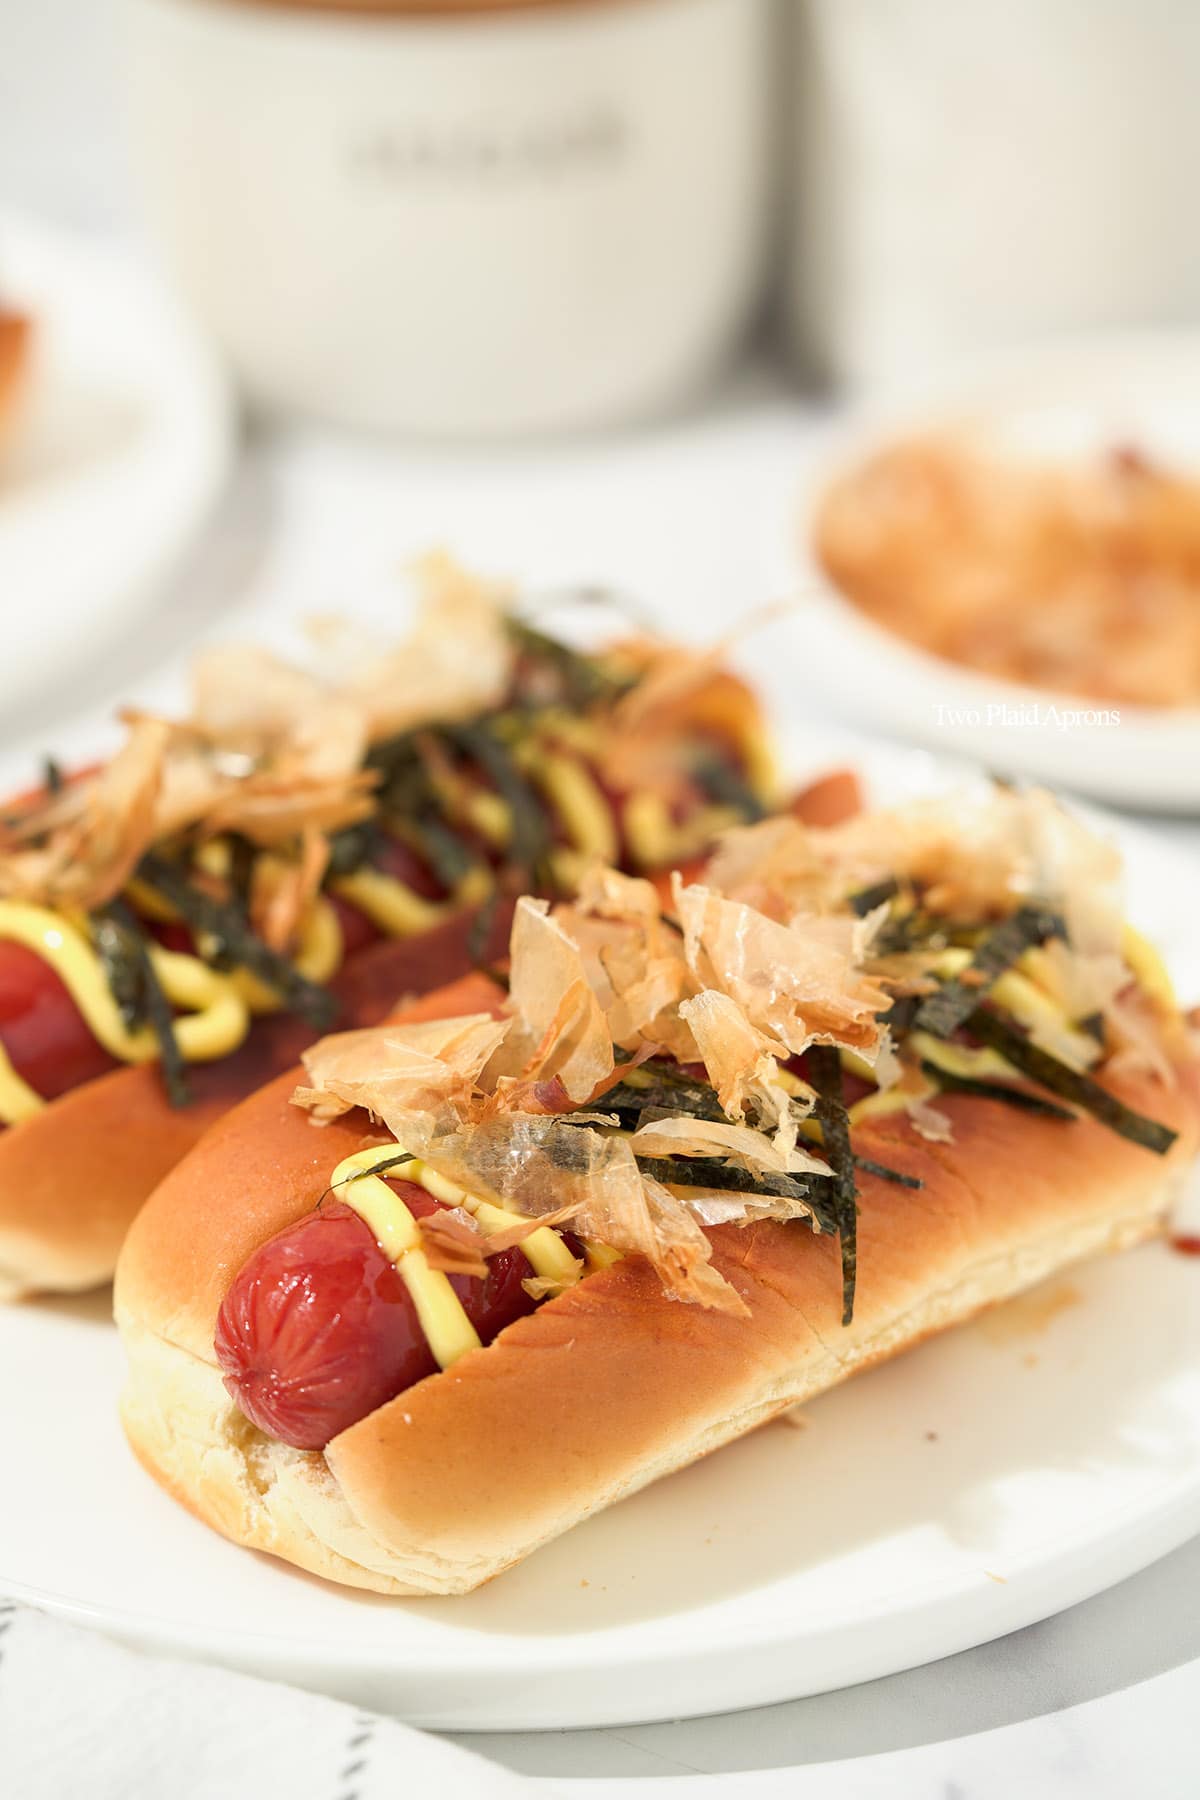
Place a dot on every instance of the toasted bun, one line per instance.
(73, 1177)
(16, 344)
(613, 1384)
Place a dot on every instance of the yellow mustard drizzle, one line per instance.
(1148, 967)
(440, 1311)
(216, 1023)
(17, 1099)
(656, 841)
(397, 909)
(572, 790)
(449, 1332)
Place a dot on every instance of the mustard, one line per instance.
(17, 1099)
(1149, 968)
(449, 1332)
(543, 1248)
(574, 793)
(216, 1024)
(399, 911)
(440, 1311)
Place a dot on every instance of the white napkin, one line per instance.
(78, 1715)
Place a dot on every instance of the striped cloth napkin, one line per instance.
(79, 1715)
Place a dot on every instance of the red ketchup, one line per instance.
(318, 1328)
(1186, 1245)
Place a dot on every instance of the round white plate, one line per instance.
(982, 1482)
(1053, 402)
(122, 445)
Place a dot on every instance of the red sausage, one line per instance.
(318, 1328)
(42, 1030)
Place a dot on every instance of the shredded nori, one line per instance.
(824, 1069)
(125, 957)
(237, 944)
(673, 1093)
(725, 784)
(351, 847)
(53, 779)
(867, 899)
(814, 1191)
(943, 1013)
(997, 1090)
(1003, 1034)
(389, 1162)
(883, 1173)
(583, 681)
(530, 829)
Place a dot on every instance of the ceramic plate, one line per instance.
(979, 1483)
(121, 447)
(1054, 404)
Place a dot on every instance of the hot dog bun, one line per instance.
(73, 1176)
(16, 339)
(613, 1384)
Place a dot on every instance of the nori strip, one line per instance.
(118, 946)
(944, 1012)
(727, 786)
(448, 857)
(530, 831)
(584, 682)
(996, 1090)
(242, 856)
(129, 968)
(881, 1170)
(825, 1073)
(712, 1172)
(389, 1162)
(994, 1029)
(351, 847)
(237, 943)
(698, 1102)
(52, 775)
(867, 899)
(478, 933)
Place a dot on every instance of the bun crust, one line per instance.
(74, 1176)
(16, 343)
(614, 1384)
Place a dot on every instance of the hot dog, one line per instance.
(857, 1084)
(176, 925)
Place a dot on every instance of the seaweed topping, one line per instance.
(825, 1073)
(944, 1012)
(998, 1090)
(812, 1191)
(125, 957)
(236, 943)
(530, 839)
(1002, 1034)
(878, 894)
(582, 679)
(727, 786)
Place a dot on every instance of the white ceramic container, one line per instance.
(522, 219)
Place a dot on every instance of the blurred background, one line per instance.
(590, 289)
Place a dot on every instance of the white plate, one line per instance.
(980, 1483)
(1051, 402)
(121, 448)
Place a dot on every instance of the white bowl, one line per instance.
(488, 223)
(1053, 401)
